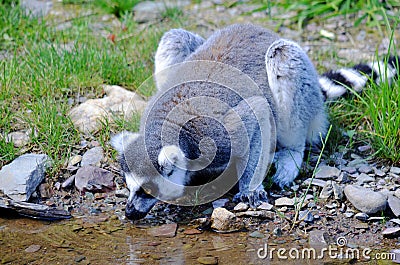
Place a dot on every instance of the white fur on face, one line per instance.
(133, 184)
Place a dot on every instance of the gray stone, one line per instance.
(223, 220)
(327, 172)
(241, 206)
(277, 231)
(364, 178)
(19, 139)
(395, 170)
(337, 191)
(88, 117)
(365, 199)
(265, 206)
(306, 216)
(349, 214)
(219, 203)
(391, 232)
(94, 179)
(256, 234)
(379, 172)
(124, 193)
(316, 182)
(284, 201)
(68, 182)
(364, 148)
(316, 239)
(350, 170)
(365, 169)
(356, 163)
(362, 217)
(394, 204)
(37, 8)
(92, 157)
(259, 213)
(326, 191)
(74, 160)
(20, 178)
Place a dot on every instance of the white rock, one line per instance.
(327, 172)
(223, 220)
(88, 116)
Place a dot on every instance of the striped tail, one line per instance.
(336, 83)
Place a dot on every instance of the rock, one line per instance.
(37, 8)
(395, 170)
(147, 11)
(19, 139)
(391, 232)
(394, 204)
(306, 216)
(349, 214)
(256, 234)
(337, 191)
(365, 169)
(92, 157)
(219, 203)
(350, 170)
(396, 253)
(316, 182)
(20, 178)
(87, 117)
(364, 148)
(68, 182)
(74, 160)
(265, 206)
(362, 217)
(364, 199)
(166, 230)
(33, 248)
(364, 178)
(208, 260)
(241, 206)
(316, 239)
(260, 214)
(379, 172)
(223, 220)
(326, 191)
(284, 201)
(94, 179)
(327, 172)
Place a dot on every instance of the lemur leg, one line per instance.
(174, 47)
(294, 85)
(252, 152)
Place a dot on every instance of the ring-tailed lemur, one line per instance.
(288, 83)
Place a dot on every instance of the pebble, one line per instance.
(166, 230)
(326, 191)
(365, 169)
(265, 206)
(362, 217)
(207, 260)
(306, 216)
(277, 231)
(123, 193)
(395, 170)
(241, 206)
(365, 199)
(316, 182)
(90, 178)
(192, 231)
(33, 248)
(256, 234)
(394, 204)
(92, 157)
(19, 139)
(350, 170)
(349, 214)
(74, 160)
(327, 172)
(260, 214)
(316, 239)
(337, 191)
(68, 182)
(20, 178)
(223, 220)
(364, 178)
(379, 172)
(391, 232)
(364, 148)
(284, 201)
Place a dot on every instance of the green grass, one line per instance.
(43, 68)
(372, 12)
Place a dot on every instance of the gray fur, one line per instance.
(289, 84)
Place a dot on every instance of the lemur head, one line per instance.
(143, 179)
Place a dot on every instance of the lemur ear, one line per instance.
(171, 155)
(121, 140)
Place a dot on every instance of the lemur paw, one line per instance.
(254, 198)
(284, 177)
